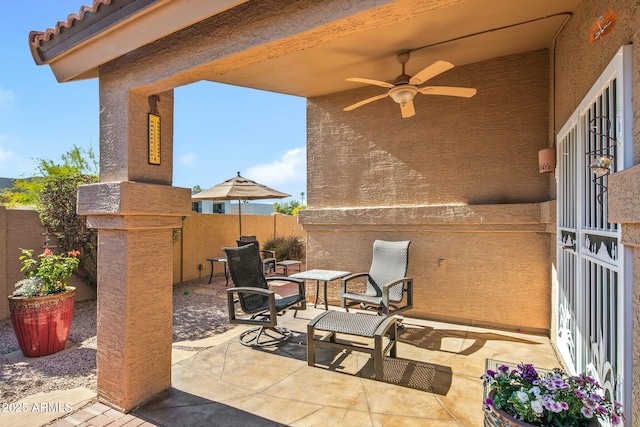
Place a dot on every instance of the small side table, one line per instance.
(288, 263)
(223, 260)
(323, 276)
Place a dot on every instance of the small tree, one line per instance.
(288, 208)
(58, 214)
(54, 194)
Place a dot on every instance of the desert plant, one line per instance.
(291, 247)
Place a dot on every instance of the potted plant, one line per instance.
(522, 397)
(42, 306)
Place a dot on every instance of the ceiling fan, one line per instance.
(404, 88)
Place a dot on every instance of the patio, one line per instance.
(435, 381)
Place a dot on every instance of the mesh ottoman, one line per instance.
(362, 325)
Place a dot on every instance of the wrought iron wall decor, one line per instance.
(601, 159)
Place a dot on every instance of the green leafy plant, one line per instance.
(58, 214)
(54, 194)
(290, 247)
(552, 399)
(289, 208)
(45, 275)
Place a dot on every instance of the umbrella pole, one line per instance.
(240, 215)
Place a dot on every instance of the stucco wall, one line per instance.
(481, 150)
(459, 179)
(204, 236)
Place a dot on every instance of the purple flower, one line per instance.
(590, 403)
(528, 372)
(555, 407)
(488, 403)
(615, 419)
(490, 373)
(587, 412)
(564, 406)
(580, 393)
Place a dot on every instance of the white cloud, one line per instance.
(188, 159)
(7, 98)
(289, 169)
(12, 163)
(5, 155)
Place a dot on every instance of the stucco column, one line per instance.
(624, 209)
(134, 207)
(135, 279)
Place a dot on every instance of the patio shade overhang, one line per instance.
(364, 44)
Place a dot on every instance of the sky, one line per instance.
(219, 130)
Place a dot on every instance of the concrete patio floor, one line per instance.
(434, 382)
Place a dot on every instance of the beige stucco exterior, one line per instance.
(460, 179)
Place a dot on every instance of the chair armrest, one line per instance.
(248, 290)
(266, 253)
(300, 282)
(346, 279)
(406, 287)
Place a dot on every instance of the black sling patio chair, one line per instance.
(268, 257)
(251, 302)
(388, 290)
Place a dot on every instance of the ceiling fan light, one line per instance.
(403, 93)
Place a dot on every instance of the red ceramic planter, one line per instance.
(42, 324)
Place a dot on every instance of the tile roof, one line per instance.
(37, 37)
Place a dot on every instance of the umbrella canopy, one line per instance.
(239, 188)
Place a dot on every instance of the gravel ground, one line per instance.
(199, 313)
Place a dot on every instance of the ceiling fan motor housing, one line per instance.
(402, 79)
(403, 93)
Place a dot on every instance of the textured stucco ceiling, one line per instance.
(466, 32)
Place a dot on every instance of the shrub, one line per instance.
(58, 214)
(291, 247)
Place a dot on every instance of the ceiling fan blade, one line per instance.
(370, 82)
(430, 72)
(363, 102)
(463, 92)
(407, 109)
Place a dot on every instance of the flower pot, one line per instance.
(499, 418)
(42, 324)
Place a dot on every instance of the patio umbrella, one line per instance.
(239, 188)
